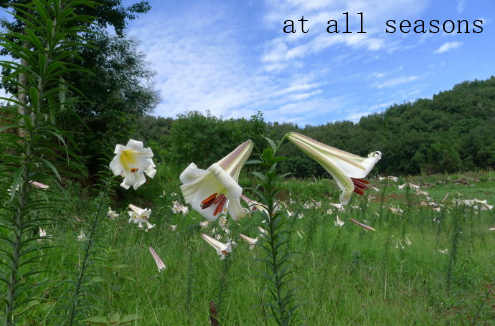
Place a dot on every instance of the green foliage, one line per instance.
(102, 106)
(204, 139)
(36, 150)
(279, 295)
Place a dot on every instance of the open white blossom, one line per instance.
(132, 162)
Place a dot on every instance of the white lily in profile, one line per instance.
(222, 249)
(347, 169)
(215, 191)
(140, 216)
(338, 221)
(159, 263)
(364, 226)
(250, 241)
(132, 161)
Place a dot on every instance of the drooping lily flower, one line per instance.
(364, 226)
(347, 169)
(39, 185)
(250, 241)
(140, 216)
(215, 191)
(131, 162)
(338, 221)
(254, 205)
(159, 263)
(221, 248)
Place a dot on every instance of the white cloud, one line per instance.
(447, 46)
(395, 82)
(461, 5)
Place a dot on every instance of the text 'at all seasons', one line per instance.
(392, 26)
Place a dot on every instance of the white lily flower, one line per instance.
(221, 248)
(340, 207)
(82, 236)
(112, 214)
(364, 226)
(39, 185)
(215, 191)
(43, 235)
(159, 263)
(140, 216)
(254, 205)
(251, 241)
(338, 221)
(394, 179)
(347, 169)
(131, 162)
(179, 208)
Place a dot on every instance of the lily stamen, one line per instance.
(208, 201)
(359, 185)
(221, 203)
(219, 200)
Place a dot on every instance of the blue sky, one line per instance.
(233, 58)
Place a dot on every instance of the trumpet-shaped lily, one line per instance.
(221, 248)
(347, 169)
(131, 162)
(364, 226)
(140, 216)
(338, 221)
(39, 185)
(159, 263)
(215, 191)
(251, 241)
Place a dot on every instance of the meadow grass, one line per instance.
(429, 263)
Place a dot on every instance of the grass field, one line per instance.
(430, 262)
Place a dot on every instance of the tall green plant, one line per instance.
(37, 153)
(279, 295)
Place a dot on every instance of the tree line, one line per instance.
(451, 132)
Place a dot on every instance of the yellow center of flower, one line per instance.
(127, 159)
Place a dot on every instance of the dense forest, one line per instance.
(451, 132)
